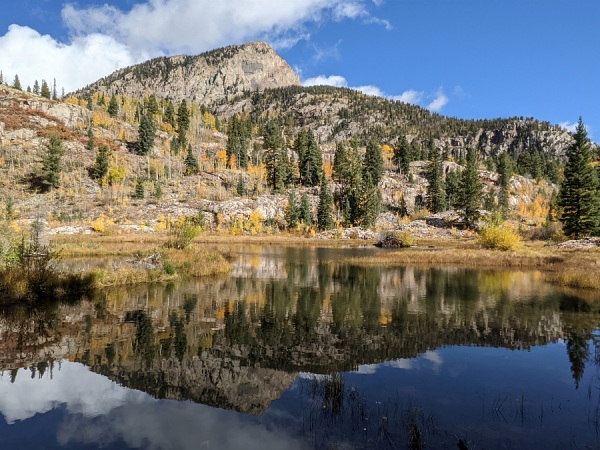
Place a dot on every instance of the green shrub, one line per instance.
(182, 233)
(169, 268)
(499, 237)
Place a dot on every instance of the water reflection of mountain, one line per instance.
(237, 342)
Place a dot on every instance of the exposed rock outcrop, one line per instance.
(204, 79)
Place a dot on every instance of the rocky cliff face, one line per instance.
(204, 79)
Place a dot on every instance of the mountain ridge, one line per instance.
(204, 78)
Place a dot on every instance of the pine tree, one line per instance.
(54, 93)
(139, 189)
(292, 212)
(191, 163)
(373, 162)
(277, 174)
(146, 133)
(158, 192)
(170, 114)
(241, 186)
(436, 198)
(403, 156)
(36, 87)
(100, 169)
(45, 92)
(470, 190)
(341, 164)
(88, 99)
(578, 196)
(183, 118)
(152, 105)
(504, 168)
(452, 189)
(370, 202)
(276, 160)
(324, 214)
(29, 89)
(238, 139)
(310, 161)
(113, 107)
(90, 143)
(17, 83)
(305, 210)
(51, 165)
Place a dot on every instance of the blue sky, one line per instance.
(463, 58)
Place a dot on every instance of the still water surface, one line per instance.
(298, 349)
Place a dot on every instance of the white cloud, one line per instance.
(184, 26)
(370, 90)
(569, 126)
(410, 96)
(33, 56)
(105, 38)
(438, 102)
(326, 80)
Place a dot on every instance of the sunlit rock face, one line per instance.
(204, 79)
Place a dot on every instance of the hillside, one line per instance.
(250, 93)
(81, 204)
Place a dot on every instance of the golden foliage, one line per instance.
(499, 237)
(116, 174)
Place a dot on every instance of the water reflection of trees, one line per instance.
(322, 317)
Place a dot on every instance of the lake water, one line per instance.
(297, 349)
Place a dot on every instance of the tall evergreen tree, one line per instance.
(100, 169)
(276, 160)
(146, 133)
(191, 163)
(373, 162)
(139, 189)
(436, 196)
(238, 140)
(183, 118)
(403, 156)
(452, 189)
(578, 196)
(370, 203)
(88, 99)
(45, 91)
(170, 114)
(310, 162)
(470, 190)
(36, 87)
(51, 164)
(276, 167)
(305, 210)
(17, 83)
(324, 214)
(504, 168)
(292, 212)
(152, 105)
(113, 107)
(341, 164)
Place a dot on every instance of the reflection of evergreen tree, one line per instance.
(143, 344)
(578, 351)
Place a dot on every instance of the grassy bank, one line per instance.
(566, 267)
(570, 268)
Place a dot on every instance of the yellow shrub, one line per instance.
(499, 237)
(99, 225)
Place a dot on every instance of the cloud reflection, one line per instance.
(102, 413)
(429, 359)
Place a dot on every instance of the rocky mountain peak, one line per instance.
(208, 78)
